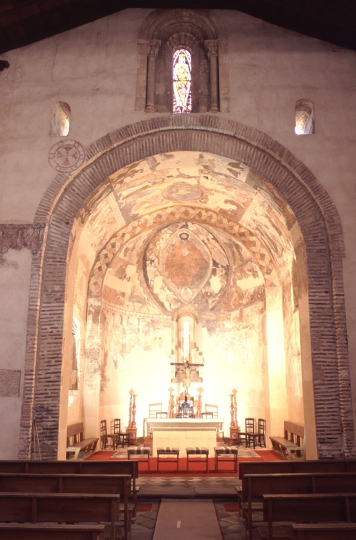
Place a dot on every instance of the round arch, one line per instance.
(324, 321)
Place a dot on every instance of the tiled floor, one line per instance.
(143, 527)
(187, 487)
(231, 524)
(220, 489)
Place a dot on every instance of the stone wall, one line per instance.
(269, 70)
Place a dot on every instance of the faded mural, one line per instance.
(194, 231)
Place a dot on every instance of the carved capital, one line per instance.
(212, 47)
(28, 236)
(153, 47)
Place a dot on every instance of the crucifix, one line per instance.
(186, 369)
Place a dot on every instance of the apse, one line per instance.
(185, 257)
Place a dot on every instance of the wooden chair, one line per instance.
(258, 438)
(161, 414)
(207, 415)
(243, 436)
(105, 437)
(153, 409)
(121, 436)
(214, 409)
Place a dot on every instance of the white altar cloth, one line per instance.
(183, 432)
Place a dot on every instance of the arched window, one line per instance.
(182, 81)
(191, 45)
(304, 117)
(60, 119)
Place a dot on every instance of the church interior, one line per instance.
(176, 230)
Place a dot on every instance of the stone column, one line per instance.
(153, 48)
(211, 46)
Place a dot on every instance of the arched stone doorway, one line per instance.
(322, 308)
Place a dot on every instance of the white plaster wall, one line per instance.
(14, 286)
(93, 69)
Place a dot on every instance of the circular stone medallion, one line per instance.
(66, 156)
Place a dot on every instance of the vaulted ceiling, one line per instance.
(26, 21)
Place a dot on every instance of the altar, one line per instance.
(183, 432)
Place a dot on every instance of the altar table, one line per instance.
(183, 432)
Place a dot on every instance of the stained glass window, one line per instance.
(182, 78)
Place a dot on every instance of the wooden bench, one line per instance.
(119, 485)
(291, 446)
(76, 442)
(255, 486)
(29, 531)
(319, 508)
(76, 467)
(315, 465)
(60, 507)
(324, 531)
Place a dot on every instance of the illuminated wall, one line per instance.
(157, 253)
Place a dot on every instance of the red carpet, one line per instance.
(144, 507)
(195, 469)
(232, 507)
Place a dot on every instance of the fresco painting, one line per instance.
(185, 231)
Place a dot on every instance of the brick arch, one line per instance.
(318, 220)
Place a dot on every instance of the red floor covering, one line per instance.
(195, 469)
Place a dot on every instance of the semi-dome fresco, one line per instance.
(195, 234)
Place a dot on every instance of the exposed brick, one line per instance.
(318, 220)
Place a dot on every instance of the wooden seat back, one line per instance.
(324, 531)
(71, 467)
(11, 531)
(119, 485)
(60, 507)
(66, 483)
(294, 433)
(271, 467)
(308, 508)
(75, 433)
(255, 486)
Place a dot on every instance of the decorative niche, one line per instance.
(163, 35)
(304, 117)
(60, 119)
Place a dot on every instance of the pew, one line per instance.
(255, 486)
(76, 467)
(291, 445)
(317, 465)
(324, 531)
(65, 483)
(76, 442)
(29, 531)
(316, 508)
(284, 467)
(60, 507)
